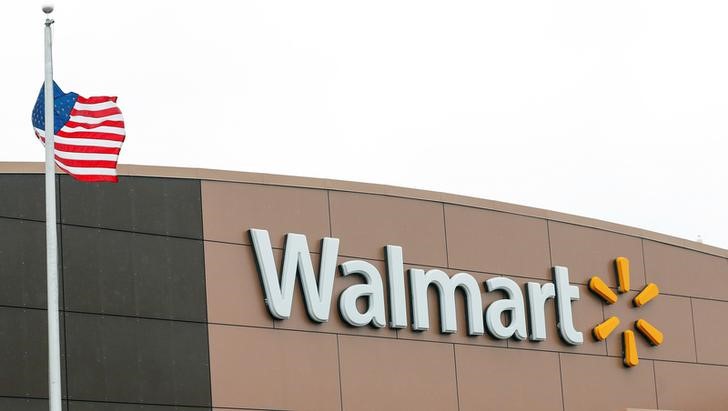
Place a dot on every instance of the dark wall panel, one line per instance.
(131, 249)
(24, 352)
(39, 404)
(22, 196)
(140, 204)
(100, 406)
(26, 404)
(22, 263)
(116, 272)
(123, 359)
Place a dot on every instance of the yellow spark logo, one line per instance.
(602, 330)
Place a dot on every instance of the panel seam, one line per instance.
(561, 380)
(155, 404)
(695, 337)
(204, 284)
(548, 238)
(341, 385)
(457, 383)
(444, 227)
(644, 260)
(62, 284)
(654, 376)
(328, 203)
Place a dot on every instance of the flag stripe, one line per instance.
(102, 171)
(95, 113)
(96, 99)
(70, 155)
(87, 164)
(91, 178)
(104, 123)
(94, 106)
(95, 120)
(87, 142)
(110, 133)
(78, 141)
(103, 138)
(82, 149)
(86, 149)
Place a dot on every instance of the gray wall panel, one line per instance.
(140, 204)
(22, 263)
(117, 272)
(22, 196)
(123, 359)
(132, 249)
(101, 406)
(24, 353)
(26, 404)
(39, 404)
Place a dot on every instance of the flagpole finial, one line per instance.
(48, 9)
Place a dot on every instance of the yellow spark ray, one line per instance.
(646, 295)
(602, 331)
(623, 274)
(654, 335)
(600, 288)
(630, 349)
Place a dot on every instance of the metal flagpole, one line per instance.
(54, 344)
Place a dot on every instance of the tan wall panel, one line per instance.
(588, 252)
(234, 292)
(499, 243)
(229, 210)
(711, 330)
(599, 383)
(415, 370)
(273, 369)
(384, 374)
(587, 313)
(366, 223)
(499, 379)
(670, 314)
(685, 272)
(691, 387)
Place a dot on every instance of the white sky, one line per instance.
(608, 109)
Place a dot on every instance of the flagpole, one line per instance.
(54, 344)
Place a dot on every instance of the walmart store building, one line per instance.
(176, 296)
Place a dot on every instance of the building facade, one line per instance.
(171, 301)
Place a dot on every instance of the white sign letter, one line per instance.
(279, 295)
(419, 281)
(514, 304)
(397, 301)
(565, 294)
(373, 291)
(537, 296)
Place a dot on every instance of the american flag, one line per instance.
(88, 133)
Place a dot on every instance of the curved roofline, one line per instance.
(379, 189)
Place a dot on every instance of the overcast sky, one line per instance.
(614, 110)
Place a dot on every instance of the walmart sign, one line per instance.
(279, 285)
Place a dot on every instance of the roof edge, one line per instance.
(380, 189)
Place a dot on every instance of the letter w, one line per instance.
(279, 295)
